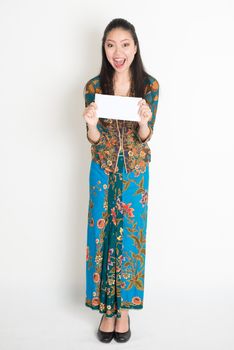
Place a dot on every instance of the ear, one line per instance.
(135, 49)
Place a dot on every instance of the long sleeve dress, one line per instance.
(117, 211)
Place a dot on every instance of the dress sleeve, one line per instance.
(89, 96)
(152, 100)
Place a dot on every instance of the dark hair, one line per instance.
(138, 72)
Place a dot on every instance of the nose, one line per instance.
(117, 50)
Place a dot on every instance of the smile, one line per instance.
(119, 62)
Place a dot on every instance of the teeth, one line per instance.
(119, 60)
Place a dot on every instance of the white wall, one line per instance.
(49, 49)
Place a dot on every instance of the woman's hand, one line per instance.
(144, 112)
(90, 114)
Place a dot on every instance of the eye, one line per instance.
(126, 44)
(109, 45)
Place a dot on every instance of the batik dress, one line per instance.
(116, 239)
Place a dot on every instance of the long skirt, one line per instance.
(116, 239)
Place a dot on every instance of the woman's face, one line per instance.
(120, 49)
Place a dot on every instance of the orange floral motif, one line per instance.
(90, 88)
(128, 210)
(95, 301)
(101, 223)
(113, 213)
(96, 277)
(155, 85)
(124, 208)
(136, 300)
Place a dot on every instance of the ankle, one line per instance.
(124, 314)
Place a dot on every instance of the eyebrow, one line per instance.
(114, 41)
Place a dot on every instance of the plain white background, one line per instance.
(49, 49)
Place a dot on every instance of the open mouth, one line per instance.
(119, 62)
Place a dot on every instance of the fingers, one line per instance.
(144, 109)
(90, 114)
(93, 104)
(141, 102)
(92, 107)
(90, 110)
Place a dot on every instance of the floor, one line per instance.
(171, 319)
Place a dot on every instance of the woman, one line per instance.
(119, 178)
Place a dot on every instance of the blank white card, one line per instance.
(117, 107)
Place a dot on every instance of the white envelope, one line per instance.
(117, 107)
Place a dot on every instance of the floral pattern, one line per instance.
(116, 239)
(137, 153)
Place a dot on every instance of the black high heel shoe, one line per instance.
(122, 337)
(104, 337)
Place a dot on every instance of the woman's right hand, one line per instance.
(90, 114)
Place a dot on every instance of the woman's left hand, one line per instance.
(144, 112)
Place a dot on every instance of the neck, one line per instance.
(121, 78)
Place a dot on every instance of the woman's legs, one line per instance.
(121, 324)
(108, 324)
